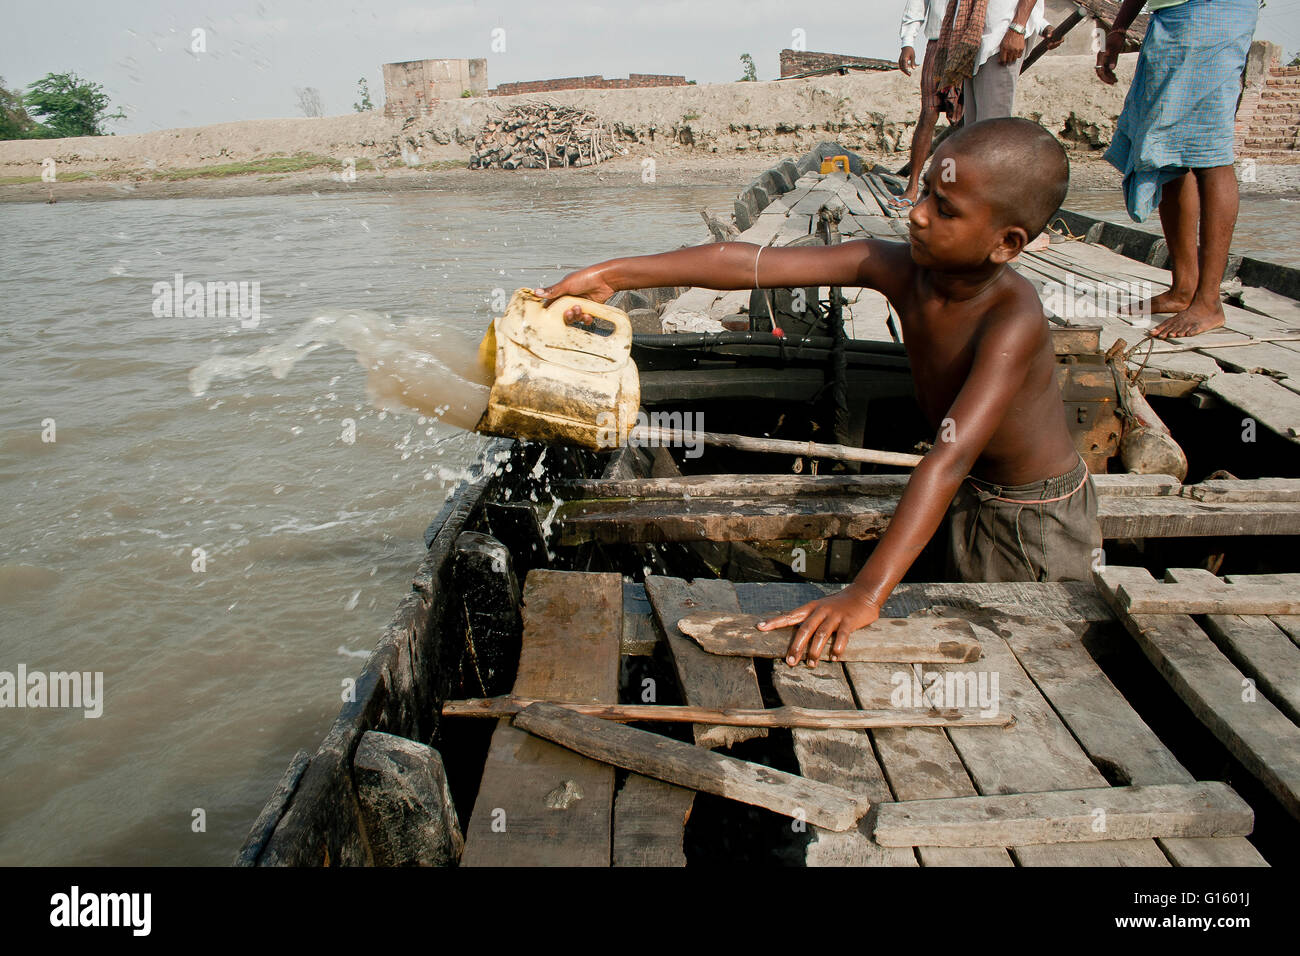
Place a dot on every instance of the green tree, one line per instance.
(751, 72)
(69, 105)
(363, 91)
(14, 121)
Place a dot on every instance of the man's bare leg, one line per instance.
(923, 135)
(1219, 202)
(1180, 213)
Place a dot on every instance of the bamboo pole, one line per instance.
(654, 435)
(772, 717)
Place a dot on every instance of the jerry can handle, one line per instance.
(607, 320)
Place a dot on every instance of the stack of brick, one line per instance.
(1268, 121)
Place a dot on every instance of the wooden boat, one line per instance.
(559, 575)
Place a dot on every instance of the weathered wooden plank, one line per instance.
(539, 804)
(1262, 737)
(649, 821)
(640, 635)
(841, 757)
(695, 767)
(729, 486)
(1263, 399)
(1264, 653)
(811, 203)
(775, 517)
(406, 802)
(1109, 729)
(1038, 753)
(1184, 810)
(1194, 591)
(838, 719)
(1075, 603)
(706, 679)
(921, 763)
(1253, 489)
(897, 640)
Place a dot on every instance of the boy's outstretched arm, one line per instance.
(997, 373)
(730, 265)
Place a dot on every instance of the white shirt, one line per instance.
(921, 16)
(930, 14)
(998, 19)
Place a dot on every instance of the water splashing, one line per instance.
(421, 364)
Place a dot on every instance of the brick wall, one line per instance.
(794, 62)
(635, 81)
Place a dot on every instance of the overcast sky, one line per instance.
(258, 51)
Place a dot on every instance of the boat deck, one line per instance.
(1252, 364)
(543, 803)
(1237, 670)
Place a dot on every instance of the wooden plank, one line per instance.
(727, 486)
(687, 766)
(794, 196)
(1075, 603)
(1183, 810)
(1108, 728)
(818, 517)
(640, 635)
(1254, 489)
(838, 719)
(1264, 653)
(895, 640)
(796, 226)
(812, 203)
(841, 757)
(1195, 591)
(1289, 623)
(649, 821)
(1258, 734)
(1263, 399)
(764, 229)
(706, 679)
(921, 764)
(539, 804)
(1038, 753)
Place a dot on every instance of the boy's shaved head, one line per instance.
(1026, 169)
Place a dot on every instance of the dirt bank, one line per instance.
(720, 133)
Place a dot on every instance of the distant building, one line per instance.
(634, 81)
(799, 62)
(413, 87)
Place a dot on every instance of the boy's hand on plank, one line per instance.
(837, 615)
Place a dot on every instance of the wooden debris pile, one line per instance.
(542, 135)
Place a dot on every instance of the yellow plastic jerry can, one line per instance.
(555, 382)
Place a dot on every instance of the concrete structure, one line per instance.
(411, 88)
(635, 81)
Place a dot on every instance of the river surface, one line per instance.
(227, 559)
(1268, 226)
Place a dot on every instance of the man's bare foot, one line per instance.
(1168, 302)
(1193, 320)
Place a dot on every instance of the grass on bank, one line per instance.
(273, 165)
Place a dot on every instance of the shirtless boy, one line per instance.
(1019, 500)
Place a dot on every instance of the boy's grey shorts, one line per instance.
(1043, 531)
